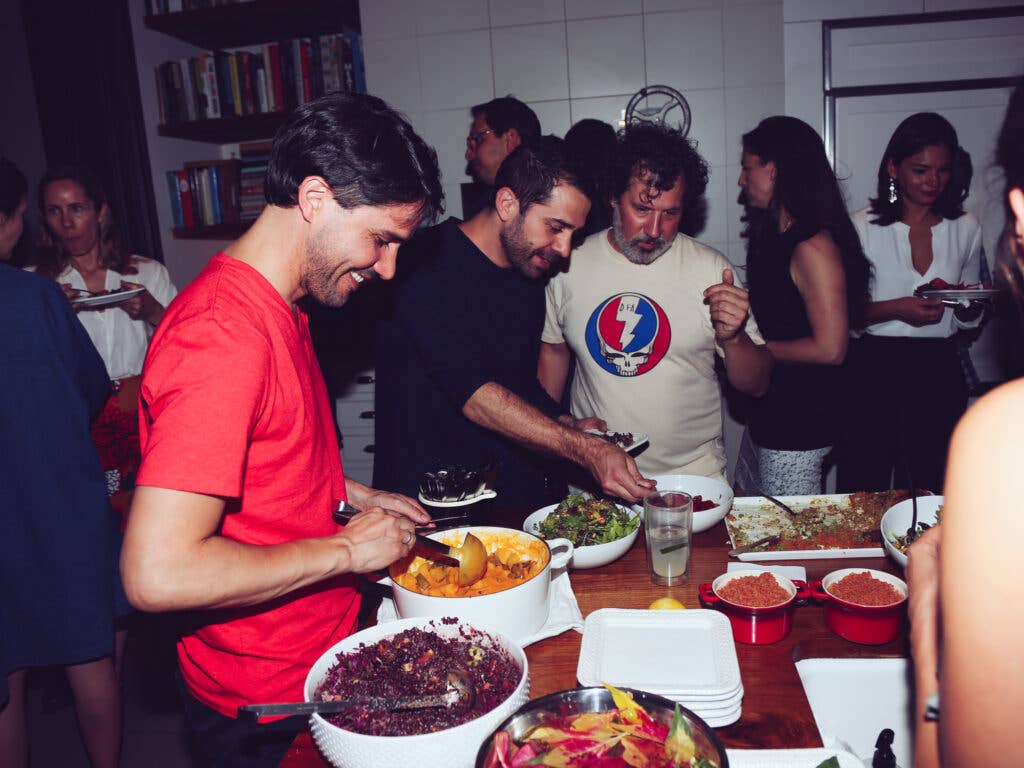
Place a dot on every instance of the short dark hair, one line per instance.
(532, 170)
(507, 112)
(1010, 158)
(13, 187)
(917, 132)
(366, 152)
(666, 155)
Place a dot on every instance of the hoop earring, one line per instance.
(892, 190)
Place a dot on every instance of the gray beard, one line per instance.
(629, 248)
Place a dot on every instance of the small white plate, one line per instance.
(107, 299)
(638, 438)
(959, 294)
(690, 651)
(485, 494)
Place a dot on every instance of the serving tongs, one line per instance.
(459, 694)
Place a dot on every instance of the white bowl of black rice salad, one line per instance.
(412, 657)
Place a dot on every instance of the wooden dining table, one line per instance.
(776, 713)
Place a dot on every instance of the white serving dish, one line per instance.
(456, 747)
(593, 555)
(517, 612)
(107, 299)
(690, 654)
(897, 519)
(638, 438)
(709, 488)
(753, 505)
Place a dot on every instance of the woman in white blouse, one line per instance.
(86, 256)
(906, 387)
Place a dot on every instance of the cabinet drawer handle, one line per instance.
(364, 379)
(368, 415)
(369, 449)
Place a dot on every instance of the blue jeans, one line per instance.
(224, 742)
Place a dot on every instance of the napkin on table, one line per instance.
(563, 612)
(791, 572)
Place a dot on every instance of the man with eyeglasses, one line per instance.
(499, 126)
(459, 342)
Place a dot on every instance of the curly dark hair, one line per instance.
(666, 155)
(917, 132)
(807, 189)
(366, 152)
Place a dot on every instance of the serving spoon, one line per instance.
(460, 693)
(470, 558)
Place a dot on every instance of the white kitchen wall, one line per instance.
(571, 59)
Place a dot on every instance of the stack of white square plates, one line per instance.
(686, 656)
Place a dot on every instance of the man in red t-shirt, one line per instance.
(240, 468)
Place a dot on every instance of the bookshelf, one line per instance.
(258, 21)
(238, 25)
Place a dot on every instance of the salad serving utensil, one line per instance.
(778, 503)
(766, 541)
(460, 693)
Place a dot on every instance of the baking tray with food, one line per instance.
(825, 526)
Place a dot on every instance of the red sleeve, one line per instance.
(204, 388)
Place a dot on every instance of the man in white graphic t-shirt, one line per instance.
(645, 310)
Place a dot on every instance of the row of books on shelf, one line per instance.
(156, 7)
(275, 77)
(211, 192)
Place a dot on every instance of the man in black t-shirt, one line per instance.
(457, 354)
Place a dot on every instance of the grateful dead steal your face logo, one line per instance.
(628, 334)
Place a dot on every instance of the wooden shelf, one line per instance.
(259, 21)
(215, 232)
(226, 130)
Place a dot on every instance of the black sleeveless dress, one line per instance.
(798, 412)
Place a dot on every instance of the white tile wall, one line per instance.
(607, 108)
(504, 13)
(604, 56)
(707, 115)
(813, 10)
(393, 72)
(804, 89)
(751, 34)
(685, 48)
(715, 229)
(531, 61)
(445, 130)
(744, 109)
(383, 19)
(434, 16)
(456, 69)
(653, 6)
(589, 9)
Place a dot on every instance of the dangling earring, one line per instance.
(892, 190)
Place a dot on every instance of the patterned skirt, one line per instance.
(115, 432)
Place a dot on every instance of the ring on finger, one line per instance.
(408, 538)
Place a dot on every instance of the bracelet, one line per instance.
(931, 708)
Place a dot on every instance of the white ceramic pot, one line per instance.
(517, 612)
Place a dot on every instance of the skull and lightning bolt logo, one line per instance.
(628, 334)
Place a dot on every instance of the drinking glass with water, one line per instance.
(668, 527)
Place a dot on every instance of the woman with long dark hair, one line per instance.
(808, 280)
(906, 385)
(976, 633)
(85, 255)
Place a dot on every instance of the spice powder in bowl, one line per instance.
(861, 588)
(761, 591)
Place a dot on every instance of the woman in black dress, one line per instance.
(808, 278)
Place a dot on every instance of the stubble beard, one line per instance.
(520, 250)
(323, 274)
(629, 248)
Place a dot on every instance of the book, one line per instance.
(358, 66)
(275, 77)
(236, 85)
(296, 68)
(209, 66)
(209, 218)
(245, 76)
(268, 75)
(329, 63)
(227, 100)
(188, 217)
(175, 196)
(347, 68)
(316, 70)
(261, 87)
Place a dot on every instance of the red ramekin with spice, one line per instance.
(759, 606)
(862, 605)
